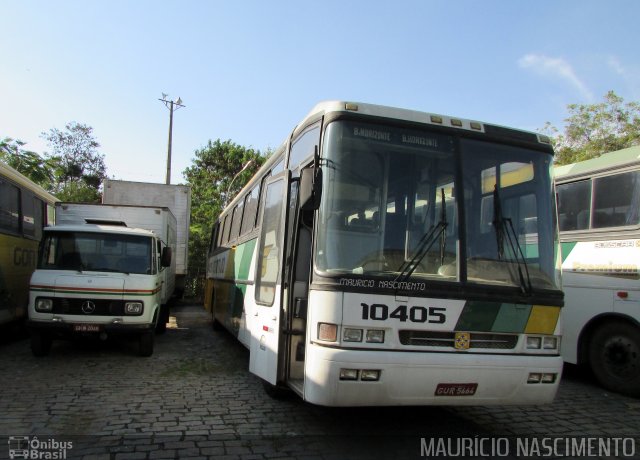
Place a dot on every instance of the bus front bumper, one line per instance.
(335, 377)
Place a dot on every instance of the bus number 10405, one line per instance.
(403, 313)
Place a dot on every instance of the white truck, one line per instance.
(175, 197)
(103, 270)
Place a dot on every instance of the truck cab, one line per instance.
(99, 279)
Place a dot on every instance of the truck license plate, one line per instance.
(456, 389)
(86, 328)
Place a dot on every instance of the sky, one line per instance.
(250, 70)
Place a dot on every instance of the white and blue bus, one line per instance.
(599, 220)
(25, 208)
(384, 256)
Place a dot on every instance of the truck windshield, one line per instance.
(394, 199)
(101, 252)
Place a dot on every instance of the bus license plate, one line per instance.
(456, 389)
(86, 328)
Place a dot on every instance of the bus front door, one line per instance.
(265, 324)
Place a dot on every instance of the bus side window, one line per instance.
(304, 146)
(9, 208)
(213, 243)
(616, 200)
(574, 205)
(28, 214)
(236, 220)
(223, 228)
(250, 211)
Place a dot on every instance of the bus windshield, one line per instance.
(101, 252)
(408, 203)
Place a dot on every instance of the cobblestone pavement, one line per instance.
(195, 398)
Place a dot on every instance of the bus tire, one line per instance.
(145, 344)
(40, 343)
(614, 357)
(215, 324)
(275, 391)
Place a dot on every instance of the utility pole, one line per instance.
(171, 105)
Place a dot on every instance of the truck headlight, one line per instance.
(133, 308)
(44, 305)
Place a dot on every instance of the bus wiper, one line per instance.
(504, 228)
(424, 245)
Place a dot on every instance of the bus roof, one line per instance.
(607, 161)
(409, 115)
(18, 178)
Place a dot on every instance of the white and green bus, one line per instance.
(599, 221)
(25, 208)
(384, 256)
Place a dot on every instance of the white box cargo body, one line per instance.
(175, 197)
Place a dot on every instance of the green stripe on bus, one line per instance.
(567, 248)
(493, 317)
(243, 259)
(478, 316)
(512, 318)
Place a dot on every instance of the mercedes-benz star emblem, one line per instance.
(88, 307)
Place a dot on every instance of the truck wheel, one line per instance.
(145, 344)
(40, 343)
(161, 327)
(614, 357)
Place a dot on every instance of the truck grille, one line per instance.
(103, 307)
(447, 339)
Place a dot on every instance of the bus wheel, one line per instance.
(614, 356)
(275, 391)
(145, 344)
(40, 343)
(215, 324)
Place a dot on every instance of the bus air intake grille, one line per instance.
(447, 339)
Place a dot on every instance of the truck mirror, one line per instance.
(310, 188)
(165, 259)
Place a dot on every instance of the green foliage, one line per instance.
(79, 192)
(215, 178)
(594, 129)
(26, 162)
(79, 168)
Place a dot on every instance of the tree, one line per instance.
(594, 129)
(215, 178)
(80, 169)
(26, 162)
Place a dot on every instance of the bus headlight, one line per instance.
(44, 305)
(550, 343)
(534, 342)
(544, 343)
(133, 308)
(375, 335)
(349, 374)
(370, 375)
(352, 335)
